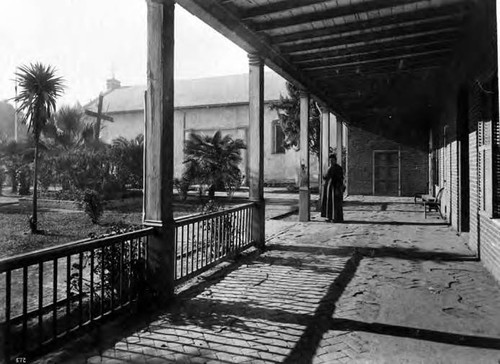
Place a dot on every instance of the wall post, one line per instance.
(256, 147)
(304, 191)
(159, 147)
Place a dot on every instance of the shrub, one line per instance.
(111, 188)
(109, 284)
(182, 187)
(2, 178)
(92, 205)
(82, 169)
(23, 176)
(46, 175)
(213, 162)
(126, 156)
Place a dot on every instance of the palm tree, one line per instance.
(213, 161)
(65, 129)
(39, 88)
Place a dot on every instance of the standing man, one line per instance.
(333, 191)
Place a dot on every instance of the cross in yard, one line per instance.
(99, 116)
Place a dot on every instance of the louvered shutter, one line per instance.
(496, 161)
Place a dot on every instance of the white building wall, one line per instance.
(231, 119)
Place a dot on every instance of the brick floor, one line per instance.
(387, 286)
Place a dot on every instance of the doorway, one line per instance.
(386, 176)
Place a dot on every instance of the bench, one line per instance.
(432, 203)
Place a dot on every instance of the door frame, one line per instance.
(378, 151)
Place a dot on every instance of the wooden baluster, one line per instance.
(6, 335)
(68, 293)
(112, 279)
(54, 299)
(92, 292)
(103, 267)
(25, 309)
(40, 303)
(176, 252)
(182, 251)
(80, 289)
(120, 276)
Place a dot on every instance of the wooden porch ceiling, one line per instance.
(355, 56)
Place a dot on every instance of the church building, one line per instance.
(206, 105)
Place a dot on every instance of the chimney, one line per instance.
(112, 84)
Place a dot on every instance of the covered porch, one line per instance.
(387, 283)
(386, 286)
(395, 69)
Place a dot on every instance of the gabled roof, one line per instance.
(212, 91)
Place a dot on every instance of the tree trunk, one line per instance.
(34, 218)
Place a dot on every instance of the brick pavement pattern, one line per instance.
(387, 286)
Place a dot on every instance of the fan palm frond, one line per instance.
(39, 88)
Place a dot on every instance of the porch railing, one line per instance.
(51, 293)
(202, 241)
(54, 292)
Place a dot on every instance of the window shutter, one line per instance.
(496, 164)
(487, 180)
(476, 119)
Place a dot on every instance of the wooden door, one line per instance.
(386, 173)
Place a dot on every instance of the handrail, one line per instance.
(75, 247)
(87, 285)
(204, 240)
(200, 217)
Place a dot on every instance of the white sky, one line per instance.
(88, 40)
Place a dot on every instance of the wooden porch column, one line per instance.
(340, 138)
(431, 163)
(325, 149)
(304, 192)
(325, 142)
(159, 146)
(256, 147)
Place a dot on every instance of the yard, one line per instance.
(62, 226)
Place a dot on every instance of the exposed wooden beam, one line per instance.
(340, 10)
(427, 55)
(340, 51)
(370, 36)
(277, 7)
(348, 86)
(215, 14)
(427, 15)
(377, 54)
(382, 69)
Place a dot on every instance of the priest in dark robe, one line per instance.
(333, 191)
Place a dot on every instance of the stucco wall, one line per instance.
(232, 119)
(127, 125)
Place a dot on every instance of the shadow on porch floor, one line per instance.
(325, 293)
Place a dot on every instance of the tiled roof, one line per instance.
(197, 92)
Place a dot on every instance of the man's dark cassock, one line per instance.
(333, 191)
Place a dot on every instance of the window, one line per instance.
(485, 166)
(486, 140)
(278, 138)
